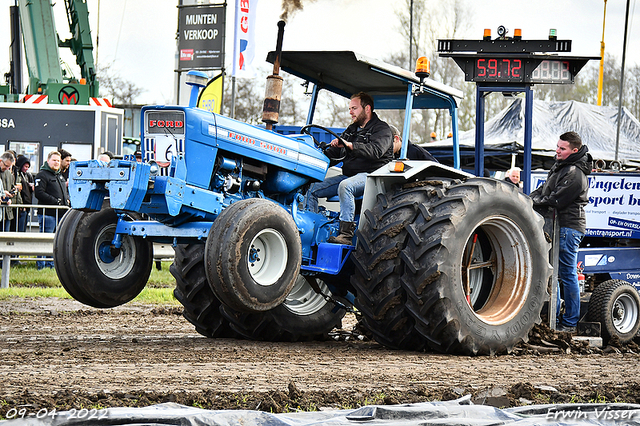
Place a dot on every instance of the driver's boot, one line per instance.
(346, 234)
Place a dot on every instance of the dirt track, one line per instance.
(59, 353)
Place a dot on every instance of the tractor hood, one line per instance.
(167, 129)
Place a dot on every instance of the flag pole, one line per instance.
(621, 99)
(234, 67)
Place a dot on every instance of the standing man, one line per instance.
(6, 163)
(365, 146)
(50, 190)
(65, 161)
(566, 190)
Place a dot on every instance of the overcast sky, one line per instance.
(138, 36)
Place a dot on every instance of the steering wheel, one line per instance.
(321, 145)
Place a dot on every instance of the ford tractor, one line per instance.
(441, 260)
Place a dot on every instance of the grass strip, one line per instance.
(149, 295)
(26, 274)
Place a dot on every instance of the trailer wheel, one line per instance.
(201, 306)
(616, 305)
(450, 266)
(253, 255)
(92, 271)
(304, 315)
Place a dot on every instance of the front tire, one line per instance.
(616, 305)
(93, 272)
(455, 267)
(253, 255)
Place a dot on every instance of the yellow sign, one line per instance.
(211, 96)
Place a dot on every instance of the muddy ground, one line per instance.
(61, 354)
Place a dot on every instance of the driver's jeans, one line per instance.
(346, 188)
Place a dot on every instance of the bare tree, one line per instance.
(433, 20)
(632, 97)
(249, 97)
(332, 110)
(121, 91)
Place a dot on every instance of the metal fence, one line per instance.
(28, 212)
(23, 238)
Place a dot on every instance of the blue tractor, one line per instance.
(442, 260)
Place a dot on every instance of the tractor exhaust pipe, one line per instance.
(273, 93)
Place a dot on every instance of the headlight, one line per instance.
(154, 169)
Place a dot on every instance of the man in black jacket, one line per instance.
(566, 190)
(50, 190)
(364, 146)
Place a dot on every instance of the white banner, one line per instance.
(614, 204)
(244, 38)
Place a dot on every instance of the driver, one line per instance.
(364, 146)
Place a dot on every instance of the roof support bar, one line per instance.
(481, 93)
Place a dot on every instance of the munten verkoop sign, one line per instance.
(201, 37)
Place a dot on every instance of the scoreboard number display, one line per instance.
(552, 71)
(514, 70)
(513, 61)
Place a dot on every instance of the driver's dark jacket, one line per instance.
(372, 147)
(566, 190)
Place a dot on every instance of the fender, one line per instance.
(381, 180)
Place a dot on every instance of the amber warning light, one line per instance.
(517, 34)
(423, 68)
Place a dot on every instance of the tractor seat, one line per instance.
(336, 199)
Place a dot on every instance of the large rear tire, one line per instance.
(304, 315)
(455, 267)
(253, 255)
(201, 306)
(616, 305)
(93, 272)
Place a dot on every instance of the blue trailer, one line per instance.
(609, 256)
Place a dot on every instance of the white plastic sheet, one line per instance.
(457, 412)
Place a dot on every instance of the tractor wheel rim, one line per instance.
(114, 264)
(303, 299)
(267, 257)
(508, 262)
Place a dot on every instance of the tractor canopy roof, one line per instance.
(346, 73)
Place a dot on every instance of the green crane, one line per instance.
(41, 46)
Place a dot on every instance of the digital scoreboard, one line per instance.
(519, 69)
(514, 61)
(511, 65)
